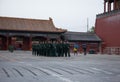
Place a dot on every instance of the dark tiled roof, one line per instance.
(22, 24)
(81, 36)
(109, 0)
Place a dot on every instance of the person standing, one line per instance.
(58, 48)
(33, 49)
(75, 49)
(53, 49)
(67, 49)
(61, 49)
(84, 46)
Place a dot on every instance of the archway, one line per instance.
(21, 42)
(3, 42)
(16, 41)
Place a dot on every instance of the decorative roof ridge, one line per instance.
(75, 32)
(80, 33)
(60, 29)
(34, 19)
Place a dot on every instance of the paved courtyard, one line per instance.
(22, 66)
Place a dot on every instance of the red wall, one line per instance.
(108, 29)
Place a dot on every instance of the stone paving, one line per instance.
(23, 66)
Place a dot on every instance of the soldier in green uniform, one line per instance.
(58, 49)
(61, 51)
(45, 49)
(48, 48)
(67, 49)
(37, 50)
(54, 49)
(51, 50)
(33, 49)
(63, 48)
(37, 47)
(42, 49)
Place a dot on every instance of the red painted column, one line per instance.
(4, 43)
(0, 40)
(114, 5)
(104, 6)
(109, 6)
(24, 44)
(27, 43)
(30, 43)
(7, 42)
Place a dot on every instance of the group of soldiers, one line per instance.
(51, 49)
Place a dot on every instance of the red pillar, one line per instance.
(109, 6)
(27, 43)
(114, 6)
(30, 43)
(104, 6)
(0, 43)
(4, 43)
(7, 42)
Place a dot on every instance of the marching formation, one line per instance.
(51, 49)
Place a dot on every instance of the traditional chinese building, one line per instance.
(92, 41)
(108, 27)
(22, 33)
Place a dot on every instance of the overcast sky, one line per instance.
(67, 14)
